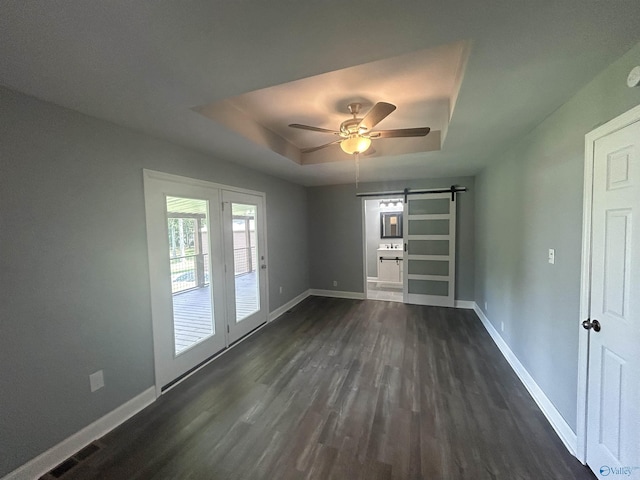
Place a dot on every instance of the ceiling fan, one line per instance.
(356, 133)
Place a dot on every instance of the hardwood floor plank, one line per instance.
(344, 389)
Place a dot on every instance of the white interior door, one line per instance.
(245, 258)
(613, 412)
(430, 249)
(186, 275)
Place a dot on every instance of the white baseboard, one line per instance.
(559, 424)
(44, 462)
(289, 305)
(337, 294)
(468, 304)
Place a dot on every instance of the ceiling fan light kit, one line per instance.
(355, 143)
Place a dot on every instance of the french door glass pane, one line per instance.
(245, 256)
(188, 222)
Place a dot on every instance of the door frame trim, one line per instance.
(363, 209)
(619, 122)
(196, 182)
(156, 175)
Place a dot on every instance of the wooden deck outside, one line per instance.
(192, 310)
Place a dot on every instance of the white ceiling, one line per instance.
(145, 64)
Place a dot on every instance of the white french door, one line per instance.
(613, 412)
(245, 257)
(206, 247)
(186, 275)
(430, 249)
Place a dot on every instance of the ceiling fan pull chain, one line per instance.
(357, 155)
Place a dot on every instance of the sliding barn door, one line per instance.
(430, 249)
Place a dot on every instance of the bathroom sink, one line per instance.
(391, 252)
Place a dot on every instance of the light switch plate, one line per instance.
(552, 256)
(96, 380)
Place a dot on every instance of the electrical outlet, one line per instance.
(335, 283)
(552, 256)
(280, 290)
(96, 380)
(502, 326)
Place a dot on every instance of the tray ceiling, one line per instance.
(423, 85)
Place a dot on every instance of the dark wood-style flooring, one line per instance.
(344, 389)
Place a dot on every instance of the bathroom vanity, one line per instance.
(390, 260)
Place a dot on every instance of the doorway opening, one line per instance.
(384, 249)
(410, 245)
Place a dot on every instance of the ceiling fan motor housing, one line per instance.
(351, 126)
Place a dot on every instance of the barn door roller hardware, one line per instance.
(453, 189)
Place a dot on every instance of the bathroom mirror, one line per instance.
(390, 224)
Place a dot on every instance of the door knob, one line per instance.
(264, 267)
(588, 324)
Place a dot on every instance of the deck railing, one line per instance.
(189, 271)
(192, 271)
(244, 260)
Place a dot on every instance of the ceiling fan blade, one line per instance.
(314, 149)
(402, 132)
(313, 129)
(378, 113)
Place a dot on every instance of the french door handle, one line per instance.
(263, 267)
(588, 324)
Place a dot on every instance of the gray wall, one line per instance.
(336, 236)
(73, 255)
(530, 200)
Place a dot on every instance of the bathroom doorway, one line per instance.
(384, 248)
